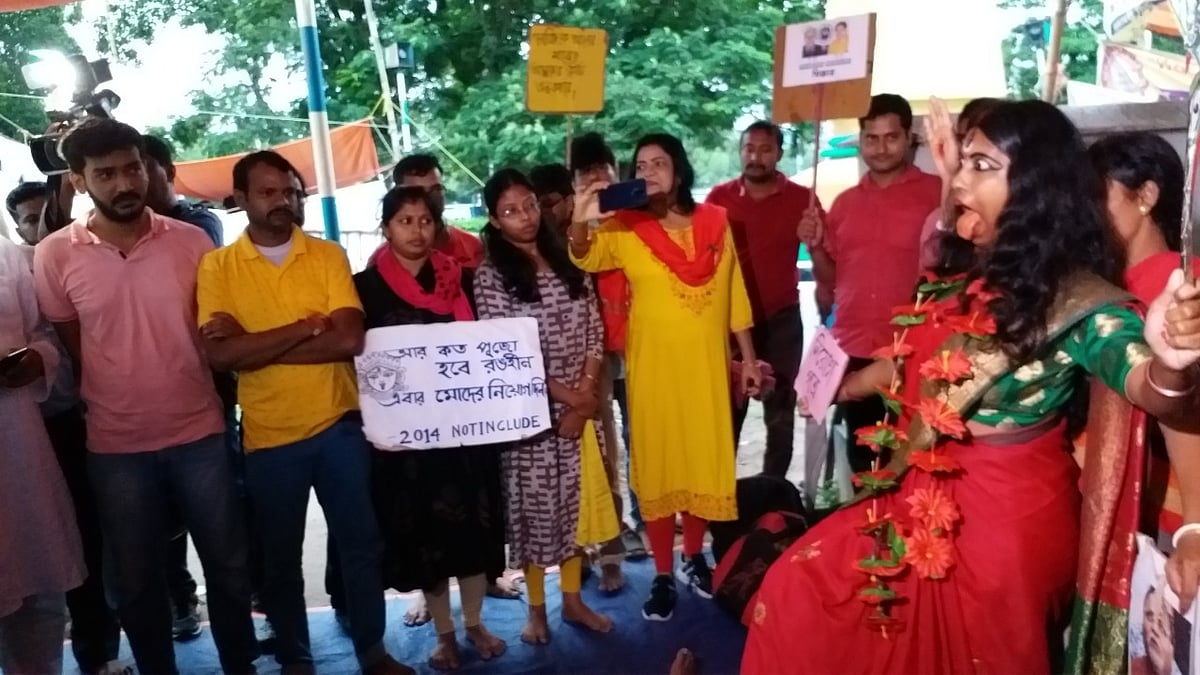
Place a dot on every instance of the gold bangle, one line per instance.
(1163, 391)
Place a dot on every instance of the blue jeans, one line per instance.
(337, 464)
(135, 494)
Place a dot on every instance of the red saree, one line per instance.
(1017, 550)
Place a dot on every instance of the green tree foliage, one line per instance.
(21, 32)
(667, 70)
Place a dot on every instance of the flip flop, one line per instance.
(635, 548)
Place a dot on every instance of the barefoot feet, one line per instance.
(574, 611)
(684, 664)
(489, 646)
(418, 613)
(611, 579)
(445, 655)
(504, 588)
(537, 628)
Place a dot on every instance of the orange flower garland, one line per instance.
(926, 548)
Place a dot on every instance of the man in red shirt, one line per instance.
(764, 210)
(868, 258)
(424, 171)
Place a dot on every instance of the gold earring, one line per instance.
(1143, 209)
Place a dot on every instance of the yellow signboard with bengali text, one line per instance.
(566, 69)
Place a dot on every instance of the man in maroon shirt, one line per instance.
(870, 247)
(764, 210)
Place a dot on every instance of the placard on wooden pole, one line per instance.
(846, 99)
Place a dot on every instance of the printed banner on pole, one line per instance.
(831, 50)
(821, 373)
(452, 384)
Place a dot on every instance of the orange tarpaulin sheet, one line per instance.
(1162, 20)
(16, 5)
(354, 161)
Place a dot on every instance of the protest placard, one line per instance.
(565, 74)
(823, 69)
(821, 373)
(452, 384)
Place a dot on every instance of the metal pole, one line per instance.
(318, 117)
(385, 86)
(1053, 55)
(405, 128)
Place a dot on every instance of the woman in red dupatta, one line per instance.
(974, 549)
(1145, 200)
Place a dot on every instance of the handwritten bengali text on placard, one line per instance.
(821, 373)
(566, 69)
(453, 384)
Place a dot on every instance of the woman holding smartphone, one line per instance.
(687, 297)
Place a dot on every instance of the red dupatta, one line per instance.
(447, 297)
(708, 231)
(708, 227)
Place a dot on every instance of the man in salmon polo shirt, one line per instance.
(119, 286)
(872, 239)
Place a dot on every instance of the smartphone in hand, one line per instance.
(630, 194)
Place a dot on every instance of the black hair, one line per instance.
(685, 175)
(889, 104)
(241, 170)
(517, 269)
(589, 151)
(419, 164)
(97, 137)
(1052, 225)
(841, 24)
(24, 192)
(974, 111)
(158, 150)
(1134, 159)
(551, 178)
(397, 197)
(769, 128)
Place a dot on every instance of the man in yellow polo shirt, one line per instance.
(280, 309)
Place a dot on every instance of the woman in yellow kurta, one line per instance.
(687, 296)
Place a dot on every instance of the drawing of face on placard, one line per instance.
(382, 378)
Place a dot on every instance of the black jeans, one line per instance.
(95, 631)
(780, 342)
(859, 415)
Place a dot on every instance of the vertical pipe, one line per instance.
(405, 127)
(385, 85)
(1054, 52)
(318, 118)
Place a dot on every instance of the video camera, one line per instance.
(86, 102)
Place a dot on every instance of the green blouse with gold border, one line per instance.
(1106, 344)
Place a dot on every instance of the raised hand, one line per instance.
(942, 139)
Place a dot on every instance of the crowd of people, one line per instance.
(158, 385)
